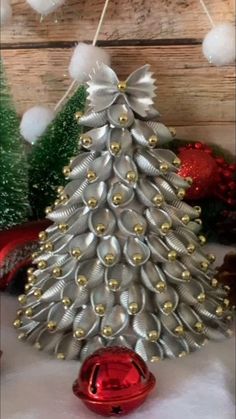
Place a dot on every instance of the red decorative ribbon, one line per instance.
(16, 247)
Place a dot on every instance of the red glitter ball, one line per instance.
(113, 381)
(202, 168)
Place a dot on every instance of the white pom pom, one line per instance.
(219, 45)
(5, 12)
(34, 122)
(45, 6)
(84, 59)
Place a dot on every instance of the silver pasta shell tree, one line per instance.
(123, 262)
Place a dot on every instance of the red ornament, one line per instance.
(113, 381)
(202, 168)
(16, 247)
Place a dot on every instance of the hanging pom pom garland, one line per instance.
(219, 44)
(5, 12)
(84, 59)
(34, 122)
(45, 7)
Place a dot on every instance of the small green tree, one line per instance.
(52, 152)
(14, 206)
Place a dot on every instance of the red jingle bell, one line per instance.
(113, 381)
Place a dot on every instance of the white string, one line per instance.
(203, 4)
(74, 83)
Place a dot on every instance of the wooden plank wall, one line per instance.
(193, 96)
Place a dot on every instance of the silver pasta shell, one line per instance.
(91, 345)
(161, 131)
(93, 119)
(98, 137)
(149, 351)
(91, 272)
(114, 322)
(165, 156)
(78, 296)
(208, 309)
(129, 221)
(78, 222)
(96, 192)
(86, 324)
(133, 299)
(165, 188)
(167, 301)
(101, 299)
(124, 165)
(141, 132)
(147, 326)
(74, 190)
(68, 348)
(147, 191)
(191, 292)
(176, 181)
(104, 218)
(61, 318)
(159, 250)
(156, 218)
(27, 329)
(195, 341)
(216, 333)
(121, 137)
(174, 348)
(46, 341)
(176, 242)
(185, 208)
(172, 324)
(102, 167)
(115, 112)
(190, 318)
(188, 235)
(174, 271)
(109, 251)
(85, 244)
(80, 164)
(120, 341)
(193, 267)
(136, 252)
(123, 274)
(153, 277)
(37, 311)
(125, 191)
(51, 290)
(62, 213)
(147, 163)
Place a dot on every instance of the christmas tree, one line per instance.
(123, 262)
(53, 151)
(14, 207)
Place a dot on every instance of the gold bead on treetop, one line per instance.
(138, 229)
(122, 86)
(81, 280)
(92, 202)
(107, 331)
(91, 176)
(86, 141)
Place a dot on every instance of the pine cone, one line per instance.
(227, 275)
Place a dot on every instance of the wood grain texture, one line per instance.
(190, 92)
(192, 95)
(138, 20)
